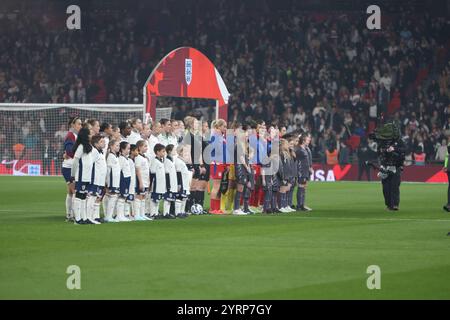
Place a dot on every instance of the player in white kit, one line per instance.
(98, 178)
(158, 179)
(112, 179)
(142, 180)
(81, 173)
(125, 181)
(184, 178)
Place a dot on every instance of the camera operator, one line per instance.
(391, 154)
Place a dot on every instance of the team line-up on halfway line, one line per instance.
(132, 168)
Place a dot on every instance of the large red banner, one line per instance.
(188, 73)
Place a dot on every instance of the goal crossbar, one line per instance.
(86, 106)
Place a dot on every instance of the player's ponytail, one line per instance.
(72, 121)
(84, 140)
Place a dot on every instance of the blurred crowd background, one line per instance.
(309, 66)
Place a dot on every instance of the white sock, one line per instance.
(105, 204)
(96, 210)
(69, 201)
(183, 205)
(154, 205)
(136, 207)
(77, 209)
(148, 202)
(73, 202)
(178, 207)
(83, 210)
(127, 209)
(120, 207)
(90, 201)
(142, 208)
(111, 207)
(166, 207)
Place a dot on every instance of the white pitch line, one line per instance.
(292, 217)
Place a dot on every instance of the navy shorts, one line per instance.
(82, 187)
(97, 191)
(182, 195)
(157, 196)
(125, 186)
(138, 192)
(113, 190)
(170, 196)
(67, 174)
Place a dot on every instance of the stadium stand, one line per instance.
(286, 63)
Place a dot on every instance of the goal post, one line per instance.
(32, 134)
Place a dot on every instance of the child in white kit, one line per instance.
(142, 180)
(125, 181)
(98, 178)
(158, 179)
(184, 178)
(112, 180)
(171, 183)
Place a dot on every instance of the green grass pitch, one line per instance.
(322, 255)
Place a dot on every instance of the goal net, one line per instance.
(180, 107)
(32, 135)
(163, 113)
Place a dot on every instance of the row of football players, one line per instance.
(273, 189)
(285, 168)
(122, 179)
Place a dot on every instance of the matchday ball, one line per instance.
(196, 209)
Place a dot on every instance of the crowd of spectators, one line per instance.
(323, 72)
